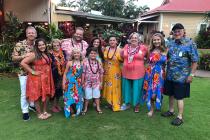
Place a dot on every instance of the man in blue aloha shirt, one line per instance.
(181, 67)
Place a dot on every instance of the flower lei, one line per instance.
(59, 61)
(132, 53)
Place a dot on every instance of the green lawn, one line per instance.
(108, 126)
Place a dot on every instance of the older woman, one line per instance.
(112, 75)
(133, 72)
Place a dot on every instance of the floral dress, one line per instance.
(73, 90)
(112, 79)
(40, 85)
(154, 79)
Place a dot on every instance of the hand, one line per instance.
(37, 73)
(189, 79)
(101, 86)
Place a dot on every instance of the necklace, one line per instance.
(131, 54)
(113, 53)
(91, 67)
(73, 44)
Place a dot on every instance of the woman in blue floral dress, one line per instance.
(73, 98)
(155, 73)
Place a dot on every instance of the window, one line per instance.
(203, 27)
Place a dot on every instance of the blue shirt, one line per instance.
(180, 57)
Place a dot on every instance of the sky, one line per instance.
(150, 3)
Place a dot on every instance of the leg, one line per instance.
(180, 105)
(171, 103)
(150, 113)
(85, 107)
(38, 109)
(45, 103)
(98, 109)
(126, 93)
(23, 100)
(137, 93)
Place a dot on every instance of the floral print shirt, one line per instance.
(92, 70)
(181, 55)
(68, 45)
(21, 48)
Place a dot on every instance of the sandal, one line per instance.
(41, 116)
(168, 114)
(99, 111)
(150, 114)
(177, 122)
(84, 113)
(136, 110)
(47, 115)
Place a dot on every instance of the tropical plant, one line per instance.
(49, 33)
(11, 32)
(203, 39)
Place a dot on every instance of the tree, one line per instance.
(67, 3)
(132, 11)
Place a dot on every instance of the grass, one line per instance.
(108, 126)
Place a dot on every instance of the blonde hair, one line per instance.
(76, 50)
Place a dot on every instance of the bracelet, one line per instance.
(33, 72)
(192, 75)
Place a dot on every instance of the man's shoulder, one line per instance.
(20, 45)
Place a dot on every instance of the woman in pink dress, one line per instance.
(133, 72)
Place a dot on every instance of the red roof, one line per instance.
(183, 6)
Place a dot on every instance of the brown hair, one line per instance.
(162, 46)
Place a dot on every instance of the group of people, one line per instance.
(124, 76)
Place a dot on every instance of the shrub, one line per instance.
(203, 40)
(204, 62)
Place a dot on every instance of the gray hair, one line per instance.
(31, 28)
(138, 36)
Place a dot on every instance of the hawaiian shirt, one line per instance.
(68, 45)
(92, 71)
(21, 48)
(181, 55)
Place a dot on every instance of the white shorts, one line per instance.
(92, 93)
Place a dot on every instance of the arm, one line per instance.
(193, 69)
(25, 64)
(83, 75)
(101, 76)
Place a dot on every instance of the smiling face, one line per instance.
(112, 41)
(78, 35)
(96, 43)
(178, 33)
(41, 46)
(156, 40)
(56, 46)
(134, 39)
(31, 34)
(76, 55)
(93, 55)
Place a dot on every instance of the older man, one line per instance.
(181, 67)
(76, 41)
(22, 50)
